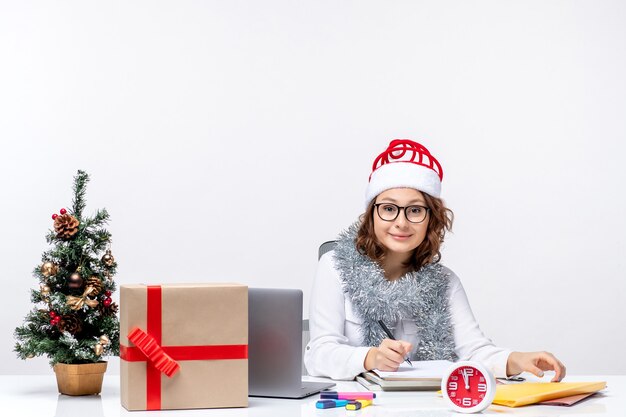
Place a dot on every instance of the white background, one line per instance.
(228, 139)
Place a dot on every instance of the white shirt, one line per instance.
(335, 349)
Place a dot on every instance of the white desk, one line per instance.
(37, 396)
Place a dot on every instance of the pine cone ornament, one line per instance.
(70, 323)
(66, 226)
(111, 310)
(96, 283)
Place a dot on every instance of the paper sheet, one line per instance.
(419, 370)
(567, 401)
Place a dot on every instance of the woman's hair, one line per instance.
(440, 221)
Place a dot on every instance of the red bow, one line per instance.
(405, 150)
(153, 351)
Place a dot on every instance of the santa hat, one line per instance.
(404, 164)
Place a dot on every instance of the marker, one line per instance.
(347, 395)
(358, 404)
(389, 335)
(331, 403)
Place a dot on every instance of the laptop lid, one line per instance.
(275, 344)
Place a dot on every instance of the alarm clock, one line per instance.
(468, 387)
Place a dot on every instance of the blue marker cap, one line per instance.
(330, 403)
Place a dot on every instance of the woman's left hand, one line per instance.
(535, 363)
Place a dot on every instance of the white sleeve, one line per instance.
(470, 342)
(329, 353)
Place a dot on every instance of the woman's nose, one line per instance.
(401, 220)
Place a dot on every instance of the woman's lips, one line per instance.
(399, 237)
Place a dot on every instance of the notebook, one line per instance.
(373, 382)
(422, 375)
(275, 345)
(419, 370)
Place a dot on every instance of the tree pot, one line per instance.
(80, 379)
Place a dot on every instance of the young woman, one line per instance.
(385, 267)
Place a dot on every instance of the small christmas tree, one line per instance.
(74, 319)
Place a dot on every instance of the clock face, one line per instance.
(468, 387)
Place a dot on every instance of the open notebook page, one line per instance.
(420, 369)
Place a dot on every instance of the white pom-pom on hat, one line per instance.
(404, 164)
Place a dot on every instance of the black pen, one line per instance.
(389, 335)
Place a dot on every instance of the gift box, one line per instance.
(183, 346)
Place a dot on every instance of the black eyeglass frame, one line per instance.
(377, 206)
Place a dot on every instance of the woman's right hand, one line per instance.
(388, 355)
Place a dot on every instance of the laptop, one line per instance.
(275, 345)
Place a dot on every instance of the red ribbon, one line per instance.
(163, 358)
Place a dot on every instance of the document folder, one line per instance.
(516, 395)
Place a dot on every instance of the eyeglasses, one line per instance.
(389, 212)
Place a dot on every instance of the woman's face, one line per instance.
(400, 236)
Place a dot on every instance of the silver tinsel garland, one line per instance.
(421, 296)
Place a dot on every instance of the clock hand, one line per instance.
(465, 378)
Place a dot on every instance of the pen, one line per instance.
(389, 335)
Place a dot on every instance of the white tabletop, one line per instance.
(38, 396)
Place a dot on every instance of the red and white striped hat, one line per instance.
(404, 164)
